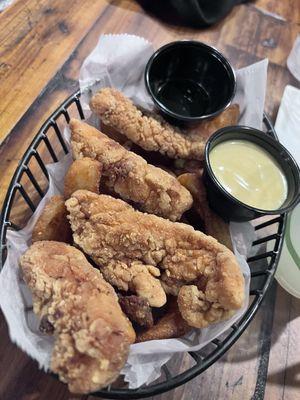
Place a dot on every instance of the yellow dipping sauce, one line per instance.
(249, 173)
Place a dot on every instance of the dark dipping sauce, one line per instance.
(184, 96)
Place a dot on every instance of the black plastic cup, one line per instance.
(189, 81)
(226, 205)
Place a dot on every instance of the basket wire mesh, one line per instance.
(28, 186)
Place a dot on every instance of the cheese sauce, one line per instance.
(249, 173)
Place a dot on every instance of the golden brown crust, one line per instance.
(110, 248)
(207, 127)
(53, 224)
(82, 174)
(129, 175)
(120, 239)
(214, 225)
(92, 334)
(171, 325)
(152, 133)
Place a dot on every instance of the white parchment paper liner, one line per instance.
(119, 61)
(293, 61)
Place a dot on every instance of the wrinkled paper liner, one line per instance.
(293, 61)
(119, 61)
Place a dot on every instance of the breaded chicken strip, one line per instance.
(52, 223)
(214, 225)
(127, 174)
(81, 309)
(108, 247)
(120, 239)
(152, 133)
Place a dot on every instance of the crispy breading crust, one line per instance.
(52, 223)
(108, 247)
(92, 333)
(152, 189)
(152, 133)
(118, 238)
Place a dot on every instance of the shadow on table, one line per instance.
(160, 10)
(260, 336)
(293, 374)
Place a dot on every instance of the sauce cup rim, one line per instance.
(269, 141)
(212, 51)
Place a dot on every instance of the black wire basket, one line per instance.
(28, 186)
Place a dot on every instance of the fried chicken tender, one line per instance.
(152, 189)
(171, 325)
(92, 333)
(53, 224)
(195, 308)
(82, 174)
(214, 225)
(120, 239)
(113, 249)
(152, 133)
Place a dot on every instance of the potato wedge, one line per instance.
(84, 173)
(53, 224)
(214, 225)
(171, 325)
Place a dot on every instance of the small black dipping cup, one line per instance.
(228, 206)
(189, 81)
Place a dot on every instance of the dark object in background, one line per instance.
(194, 13)
(227, 206)
(189, 81)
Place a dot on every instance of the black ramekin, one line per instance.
(228, 206)
(195, 63)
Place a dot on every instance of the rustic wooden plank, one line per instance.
(284, 360)
(36, 38)
(292, 368)
(20, 377)
(262, 35)
(288, 10)
(278, 78)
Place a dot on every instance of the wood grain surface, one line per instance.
(42, 46)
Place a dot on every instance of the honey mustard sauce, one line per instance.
(249, 173)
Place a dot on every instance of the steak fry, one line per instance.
(132, 248)
(152, 189)
(52, 223)
(171, 325)
(214, 225)
(152, 133)
(137, 309)
(75, 303)
(82, 174)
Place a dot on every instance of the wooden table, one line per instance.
(42, 46)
